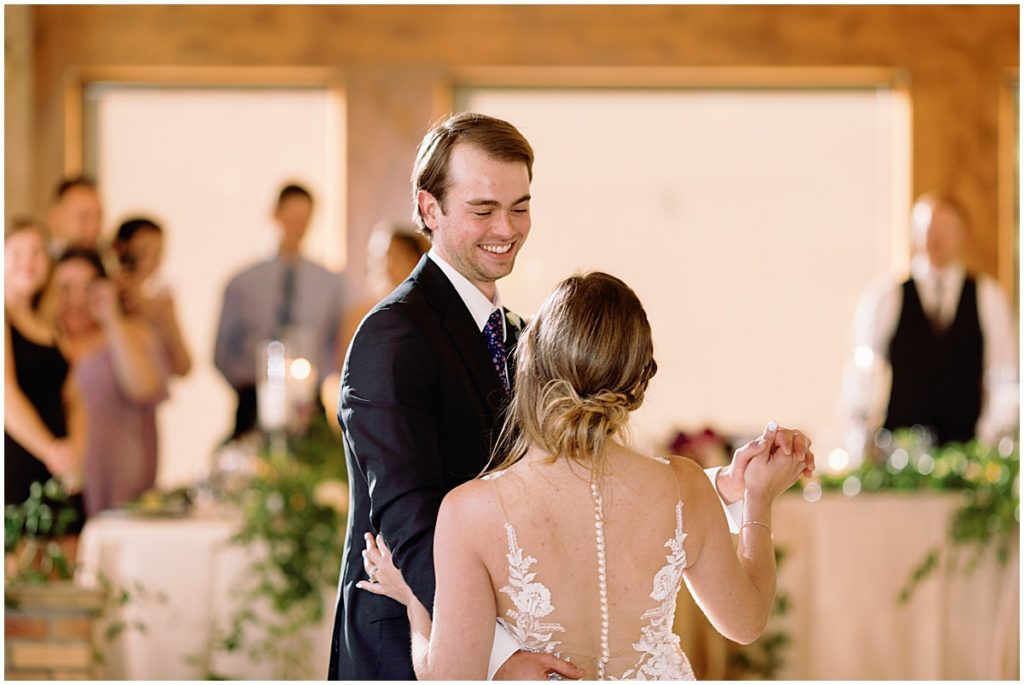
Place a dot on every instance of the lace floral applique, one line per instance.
(662, 659)
(532, 602)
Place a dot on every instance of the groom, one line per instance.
(424, 384)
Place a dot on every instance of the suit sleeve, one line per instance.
(388, 410)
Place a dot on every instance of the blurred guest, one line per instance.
(392, 253)
(44, 419)
(946, 334)
(139, 246)
(119, 365)
(75, 216)
(285, 297)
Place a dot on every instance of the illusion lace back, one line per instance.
(591, 571)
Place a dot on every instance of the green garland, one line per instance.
(987, 477)
(294, 512)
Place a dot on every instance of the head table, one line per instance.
(191, 562)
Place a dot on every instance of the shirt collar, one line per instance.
(922, 270)
(476, 302)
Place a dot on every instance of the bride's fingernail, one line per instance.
(772, 426)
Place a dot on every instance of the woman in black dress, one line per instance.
(44, 419)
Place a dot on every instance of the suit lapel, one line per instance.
(461, 329)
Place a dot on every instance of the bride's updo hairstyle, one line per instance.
(582, 365)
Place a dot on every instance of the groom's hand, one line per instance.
(533, 666)
(730, 481)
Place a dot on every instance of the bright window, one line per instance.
(748, 221)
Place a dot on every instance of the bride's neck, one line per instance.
(537, 456)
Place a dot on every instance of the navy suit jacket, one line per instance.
(420, 406)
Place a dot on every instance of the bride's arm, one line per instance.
(735, 588)
(464, 605)
(457, 643)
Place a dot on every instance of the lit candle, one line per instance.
(270, 390)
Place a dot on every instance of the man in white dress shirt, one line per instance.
(947, 336)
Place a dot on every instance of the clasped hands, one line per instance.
(766, 466)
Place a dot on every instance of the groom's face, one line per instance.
(485, 218)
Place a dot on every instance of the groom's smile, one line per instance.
(484, 218)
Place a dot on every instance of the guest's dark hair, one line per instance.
(293, 190)
(132, 226)
(498, 139)
(67, 183)
(90, 256)
(582, 365)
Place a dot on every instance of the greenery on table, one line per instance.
(986, 476)
(294, 513)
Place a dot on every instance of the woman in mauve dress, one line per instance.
(120, 366)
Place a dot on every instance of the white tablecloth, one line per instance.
(847, 559)
(192, 563)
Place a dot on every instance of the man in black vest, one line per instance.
(948, 336)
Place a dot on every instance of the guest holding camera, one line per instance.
(139, 246)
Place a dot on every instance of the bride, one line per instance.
(576, 543)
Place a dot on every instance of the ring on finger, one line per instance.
(373, 574)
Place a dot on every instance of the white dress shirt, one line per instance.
(480, 308)
(868, 378)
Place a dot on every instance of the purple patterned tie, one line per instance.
(494, 332)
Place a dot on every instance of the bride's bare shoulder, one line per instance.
(471, 503)
(684, 465)
(694, 484)
(689, 472)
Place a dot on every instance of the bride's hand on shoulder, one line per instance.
(385, 578)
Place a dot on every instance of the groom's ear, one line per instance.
(430, 208)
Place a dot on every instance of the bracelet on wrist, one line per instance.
(758, 523)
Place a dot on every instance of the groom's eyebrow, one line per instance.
(495, 203)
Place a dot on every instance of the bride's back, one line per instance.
(586, 568)
(587, 549)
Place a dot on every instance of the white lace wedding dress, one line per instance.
(593, 569)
